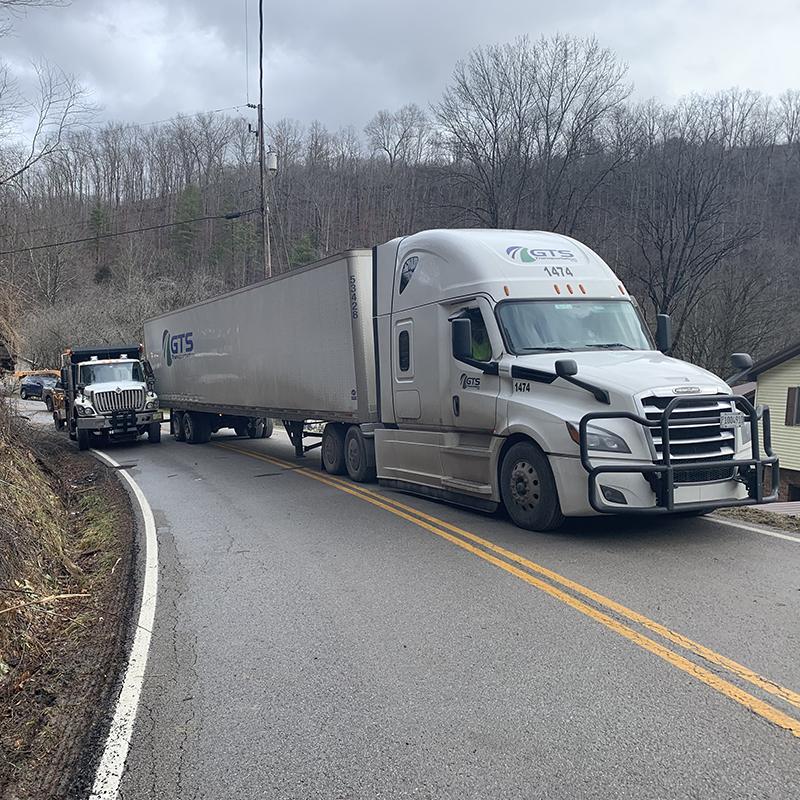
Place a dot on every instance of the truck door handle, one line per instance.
(456, 405)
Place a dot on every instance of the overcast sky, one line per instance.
(341, 61)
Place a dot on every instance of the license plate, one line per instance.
(731, 419)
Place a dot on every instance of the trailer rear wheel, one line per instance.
(176, 425)
(83, 439)
(241, 428)
(333, 449)
(268, 428)
(359, 456)
(528, 488)
(196, 428)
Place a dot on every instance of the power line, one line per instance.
(101, 125)
(232, 215)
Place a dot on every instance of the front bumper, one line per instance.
(120, 423)
(745, 486)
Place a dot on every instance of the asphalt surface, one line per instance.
(310, 643)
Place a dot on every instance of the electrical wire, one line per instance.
(100, 126)
(233, 215)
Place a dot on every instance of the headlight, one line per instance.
(599, 439)
(151, 405)
(85, 411)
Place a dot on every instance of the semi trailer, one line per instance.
(481, 367)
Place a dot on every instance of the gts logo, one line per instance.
(468, 382)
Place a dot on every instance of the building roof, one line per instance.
(773, 361)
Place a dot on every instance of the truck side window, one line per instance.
(481, 348)
(404, 351)
(407, 272)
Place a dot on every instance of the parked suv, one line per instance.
(35, 386)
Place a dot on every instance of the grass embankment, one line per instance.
(64, 568)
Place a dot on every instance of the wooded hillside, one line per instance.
(694, 205)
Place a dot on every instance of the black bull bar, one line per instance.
(661, 474)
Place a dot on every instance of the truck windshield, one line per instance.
(535, 326)
(111, 373)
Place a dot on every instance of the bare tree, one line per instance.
(523, 122)
(403, 136)
(59, 106)
(16, 8)
(686, 223)
(487, 120)
(579, 130)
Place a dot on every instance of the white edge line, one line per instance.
(115, 753)
(754, 529)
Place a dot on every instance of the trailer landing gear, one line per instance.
(295, 431)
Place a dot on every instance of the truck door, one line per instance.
(473, 393)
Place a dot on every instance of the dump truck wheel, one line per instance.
(255, 427)
(83, 439)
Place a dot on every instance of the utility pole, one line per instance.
(261, 151)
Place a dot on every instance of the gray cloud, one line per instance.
(340, 61)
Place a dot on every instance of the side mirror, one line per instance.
(741, 361)
(566, 368)
(664, 333)
(462, 339)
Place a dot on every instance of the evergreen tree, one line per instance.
(305, 251)
(100, 246)
(184, 234)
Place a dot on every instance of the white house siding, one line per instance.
(772, 389)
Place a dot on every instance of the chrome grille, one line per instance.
(694, 435)
(126, 400)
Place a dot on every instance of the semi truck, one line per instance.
(106, 395)
(480, 367)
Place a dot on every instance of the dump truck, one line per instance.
(480, 367)
(106, 395)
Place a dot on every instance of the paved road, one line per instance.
(316, 640)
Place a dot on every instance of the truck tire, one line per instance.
(196, 428)
(154, 432)
(333, 449)
(176, 425)
(359, 456)
(48, 402)
(83, 439)
(268, 428)
(255, 427)
(241, 428)
(528, 488)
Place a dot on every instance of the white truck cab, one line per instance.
(107, 395)
(570, 410)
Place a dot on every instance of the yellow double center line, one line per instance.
(491, 552)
